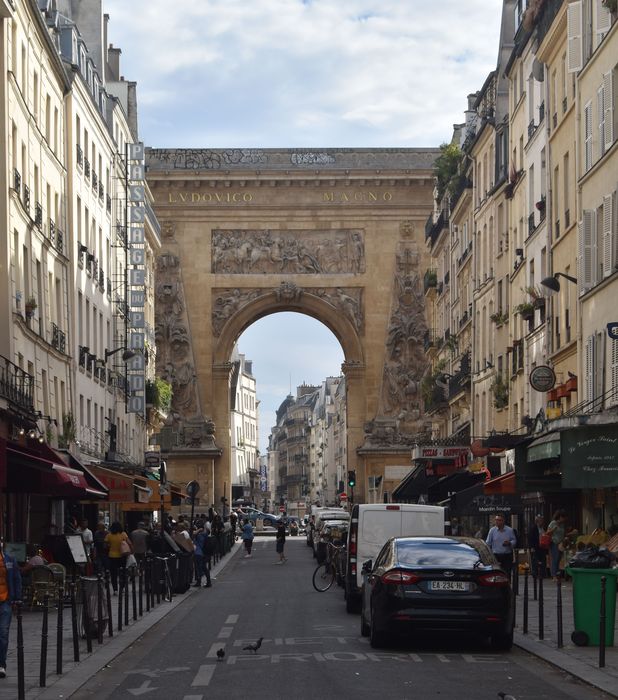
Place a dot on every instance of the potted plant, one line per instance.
(499, 318)
(611, 5)
(69, 430)
(540, 205)
(525, 310)
(31, 306)
(500, 391)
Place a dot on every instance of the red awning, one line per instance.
(503, 484)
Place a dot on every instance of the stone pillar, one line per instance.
(221, 373)
(355, 376)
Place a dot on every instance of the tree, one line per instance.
(446, 166)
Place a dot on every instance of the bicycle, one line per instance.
(326, 573)
(166, 580)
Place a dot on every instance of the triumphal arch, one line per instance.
(337, 234)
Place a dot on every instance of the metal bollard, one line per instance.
(140, 587)
(534, 584)
(108, 600)
(516, 577)
(43, 665)
(147, 582)
(21, 681)
(99, 608)
(134, 594)
(602, 623)
(74, 621)
(541, 609)
(126, 595)
(120, 596)
(59, 626)
(559, 611)
(525, 630)
(86, 620)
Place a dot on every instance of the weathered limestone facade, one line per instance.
(334, 234)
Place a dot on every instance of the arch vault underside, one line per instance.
(337, 235)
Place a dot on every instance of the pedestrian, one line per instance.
(116, 557)
(10, 594)
(502, 541)
(280, 542)
(203, 552)
(233, 521)
(538, 554)
(99, 548)
(557, 530)
(216, 531)
(247, 536)
(140, 539)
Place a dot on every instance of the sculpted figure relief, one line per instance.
(293, 252)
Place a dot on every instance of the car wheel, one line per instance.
(376, 639)
(365, 629)
(502, 641)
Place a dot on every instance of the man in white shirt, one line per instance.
(502, 542)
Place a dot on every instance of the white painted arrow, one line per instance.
(144, 688)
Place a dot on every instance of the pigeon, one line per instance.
(254, 647)
(504, 696)
(220, 654)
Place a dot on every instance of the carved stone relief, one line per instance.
(347, 300)
(239, 251)
(185, 424)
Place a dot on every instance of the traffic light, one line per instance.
(352, 479)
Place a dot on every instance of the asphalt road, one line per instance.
(311, 649)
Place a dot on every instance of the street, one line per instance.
(311, 648)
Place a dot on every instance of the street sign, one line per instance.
(612, 330)
(193, 488)
(343, 496)
(152, 459)
(164, 490)
(282, 509)
(542, 378)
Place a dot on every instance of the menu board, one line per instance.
(78, 551)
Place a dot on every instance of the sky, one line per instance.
(301, 73)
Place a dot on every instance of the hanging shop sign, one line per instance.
(589, 457)
(542, 378)
(612, 330)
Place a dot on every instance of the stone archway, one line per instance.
(336, 235)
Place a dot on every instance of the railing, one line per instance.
(38, 214)
(80, 155)
(109, 203)
(95, 181)
(531, 225)
(16, 385)
(429, 339)
(86, 168)
(52, 231)
(83, 353)
(463, 184)
(554, 120)
(564, 104)
(27, 198)
(59, 241)
(430, 280)
(101, 190)
(436, 401)
(17, 182)
(58, 338)
(567, 219)
(531, 129)
(436, 229)
(447, 277)
(541, 112)
(102, 279)
(461, 380)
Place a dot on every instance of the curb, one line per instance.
(577, 669)
(81, 672)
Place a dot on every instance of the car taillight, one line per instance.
(399, 577)
(494, 578)
(353, 542)
(353, 569)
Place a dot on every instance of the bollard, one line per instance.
(515, 594)
(160, 580)
(516, 577)
(43, 665)
(108, 600)
(74, 620)
(559, 611)
(134, 594)
(126, 595)
(526, 602)
(534, 584)
(120, 595)
(99, 608)
(602, 624)
(147, 568)
(21, 680)
(59, 626)
(541, 609)
(86, 621)
(140, 587)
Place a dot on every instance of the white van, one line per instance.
(374, 523)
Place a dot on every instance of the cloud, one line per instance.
(290, 73)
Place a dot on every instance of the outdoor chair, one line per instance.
(42, 582)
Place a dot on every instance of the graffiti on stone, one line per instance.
(311, 158)
(205, 158)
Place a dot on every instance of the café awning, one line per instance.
(545, 447)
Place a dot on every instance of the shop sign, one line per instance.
(439, 452)
(542, 378)
(589, 457)
(612, 330)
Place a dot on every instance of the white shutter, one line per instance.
(612, 397)
(604, 20)
(599, 372)
(575, 36)
(608, 90)
(590, 371)
(587, 250)
(608, 258)
(601, 115)
(587, 137)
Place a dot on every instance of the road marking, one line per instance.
(193, 697)
(225, 632)
(204, 675)
(231, 619)
(212, 654)
(144, 688)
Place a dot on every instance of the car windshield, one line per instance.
(456, 554)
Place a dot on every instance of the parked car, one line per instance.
(270, 520)
(436, 583)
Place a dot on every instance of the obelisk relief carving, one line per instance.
(185, 426)
(400, 405)
(242, 251)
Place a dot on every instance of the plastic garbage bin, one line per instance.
(587, 605)
(184, 572)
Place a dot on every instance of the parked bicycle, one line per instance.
(166, 579)
(325, 574)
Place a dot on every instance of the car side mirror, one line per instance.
(367, 566)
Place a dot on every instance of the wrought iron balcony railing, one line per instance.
(16, 386)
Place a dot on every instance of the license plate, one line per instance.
(449, 586)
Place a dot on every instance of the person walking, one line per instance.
(140, 539)
(99, 548)
(501, 540)
(10, 593)
(247, 536)
(538, 554)
(117, 542)
(280, 543)
(557, 530)
(202, 557)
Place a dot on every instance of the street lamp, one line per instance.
(126, 355)
(553, 283)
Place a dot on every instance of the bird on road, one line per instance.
(254, 647)
(220, 654)
(504, 696)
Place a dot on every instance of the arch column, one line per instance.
(355, 376)
(221, 372)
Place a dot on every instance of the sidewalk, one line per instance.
(75, 674)
(581, 662)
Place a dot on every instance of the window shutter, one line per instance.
(588, 137)
(575, 37)
(612, 397)
(608, 89)
(599, 372)
(604, 20)
(608, 257)
(601, 114)
(590, 371)
(587, 250)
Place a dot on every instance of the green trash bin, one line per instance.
(587, 605)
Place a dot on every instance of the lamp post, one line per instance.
(553, 283)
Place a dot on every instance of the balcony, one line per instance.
(86, 168)
(38, 214)
(102, 279)
(430, 281)
(464, 183)
(16, 386)
(27, 198)
(52, 231)
(60, 241)
(436, 400)
(433, 231)
(95, 181)
(531, 224)
(101, 190)
(531, 129)
(17, 182)
(461, 380)
(109, 204)
(541, 112)
(83, 354)
(58, 340)
(80, 155)
(429, 339)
